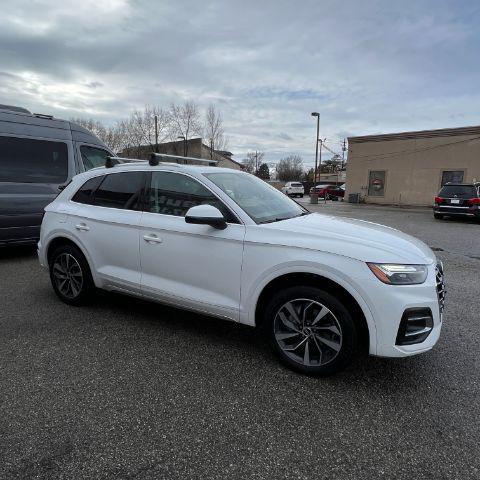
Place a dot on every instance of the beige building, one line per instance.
(192, 148)
(409, 168)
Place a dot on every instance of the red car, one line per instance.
(328, 191)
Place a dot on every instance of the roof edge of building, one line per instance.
(442, 132)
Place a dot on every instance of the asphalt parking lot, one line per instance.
(128, 389)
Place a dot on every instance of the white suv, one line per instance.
(294, 189)
(227, 244)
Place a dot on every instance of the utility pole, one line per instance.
(317, 139)
(156, 133)
(344, 148)
(256, 162)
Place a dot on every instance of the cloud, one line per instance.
(367, 67)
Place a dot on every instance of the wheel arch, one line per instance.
(60, 240)
(360, 313)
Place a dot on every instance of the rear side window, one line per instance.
(93, 157)
(460, 191)
(23, 160)
(85, 194)
(120, 190)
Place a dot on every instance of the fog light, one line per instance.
(415, 326)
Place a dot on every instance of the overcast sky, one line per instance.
(366, 66)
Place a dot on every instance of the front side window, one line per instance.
(260, 201)
(23, 160)
(173, 194)
(120, 190)
(93, 157)
(452, 176)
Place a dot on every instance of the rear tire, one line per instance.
(310, 331)
(438, 216)
(70, 275)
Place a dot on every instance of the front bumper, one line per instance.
(388, 304)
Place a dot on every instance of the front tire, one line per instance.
(70, 275)
(310, 330)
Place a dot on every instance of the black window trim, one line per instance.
(146, 205)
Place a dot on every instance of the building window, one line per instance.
(376, 183)
(452, 176)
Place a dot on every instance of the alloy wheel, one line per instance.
(308, 332)
(67, 275)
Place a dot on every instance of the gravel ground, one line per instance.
(128, 389)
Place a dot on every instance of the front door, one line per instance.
(191, 266)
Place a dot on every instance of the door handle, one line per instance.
(152, 238)
(83, 227)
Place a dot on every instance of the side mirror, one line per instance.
(206, 215)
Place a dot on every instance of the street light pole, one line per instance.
(316, 114)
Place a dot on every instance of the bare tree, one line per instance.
(110, 135)
(184, 122)
(290, 168)
(253, 161)
(150, 125)
(213, 130)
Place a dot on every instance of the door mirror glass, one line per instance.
(206, 215)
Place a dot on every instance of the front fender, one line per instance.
(252, 294)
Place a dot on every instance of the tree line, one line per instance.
(154, 125)
(288, 169)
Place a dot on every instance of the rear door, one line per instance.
(31, 170)
(105, 219)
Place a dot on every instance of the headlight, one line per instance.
(394, 274)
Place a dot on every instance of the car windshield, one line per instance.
(262, 202)
(460, 191)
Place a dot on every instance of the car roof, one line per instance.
(163, 166)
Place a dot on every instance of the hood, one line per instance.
(359, 239)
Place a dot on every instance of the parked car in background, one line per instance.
(227, 244)
(317, 188)
(328, 191)
(293, 189)
(39, 155)
(457, 199)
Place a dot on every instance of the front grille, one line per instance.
(440, 281)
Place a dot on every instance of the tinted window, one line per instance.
(460, 191)
(120, 190)
(24, 160)
(93, 157)
(85, 194)
(173, 194)
(297, 185)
